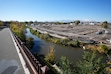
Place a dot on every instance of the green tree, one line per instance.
(90, 64)
(1, 23)
(18, 29)
(65, 66)
(103, 48)
(104, 24)
(31, 22)
(45, 36)
(76, 43)
(64, 41)
(59, 23)
(77, 22)
(50, 57)
(26, 22)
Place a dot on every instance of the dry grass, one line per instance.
(95, 48)
(108, 69)
(91, 47)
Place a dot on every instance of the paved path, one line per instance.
(9, 59)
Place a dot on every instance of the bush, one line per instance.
(18, 29)
(50, 57)
(103, 49)
(1, 23)
(104, 24)
(29, 42)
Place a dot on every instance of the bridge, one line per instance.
(15, 57)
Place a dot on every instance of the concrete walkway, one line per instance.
(9, 59)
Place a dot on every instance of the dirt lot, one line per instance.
(83, 32)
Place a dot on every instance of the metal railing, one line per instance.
(31, 62)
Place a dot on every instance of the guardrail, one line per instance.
(31, 62)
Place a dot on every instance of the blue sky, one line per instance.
(54, 10)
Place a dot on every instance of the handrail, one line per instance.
(31, 61)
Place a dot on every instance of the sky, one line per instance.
(55, 10)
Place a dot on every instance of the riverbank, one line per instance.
(72, 43)
(64, 42)
(63, 51)
(42, 46)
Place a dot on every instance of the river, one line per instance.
(42, 47)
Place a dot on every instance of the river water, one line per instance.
(42, 47)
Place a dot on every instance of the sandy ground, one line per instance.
(84, 32)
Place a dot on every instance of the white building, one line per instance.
(109, 40)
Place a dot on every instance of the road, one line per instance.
(9, 59)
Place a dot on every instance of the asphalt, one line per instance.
(9, 59)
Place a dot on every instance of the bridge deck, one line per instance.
(9, 59)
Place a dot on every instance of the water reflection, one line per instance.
(37, 42)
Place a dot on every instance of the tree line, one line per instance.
(20, 29)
